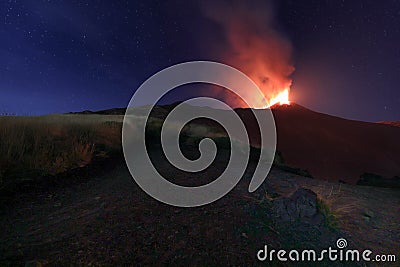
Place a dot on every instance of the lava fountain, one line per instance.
(281, 98)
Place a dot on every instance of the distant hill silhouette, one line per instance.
(327, 147)
(113, 111)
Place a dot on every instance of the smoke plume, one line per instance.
(253, 43)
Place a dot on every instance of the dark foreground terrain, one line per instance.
(81, 206)
(108, 219)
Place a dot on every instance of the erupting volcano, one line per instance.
(254, 45)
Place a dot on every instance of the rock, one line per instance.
(369, 213)
(300, 206)
(36, 263)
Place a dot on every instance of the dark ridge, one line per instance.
(392, 123)
(327, 147)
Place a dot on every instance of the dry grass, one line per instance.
(55, 143)
(340, 205)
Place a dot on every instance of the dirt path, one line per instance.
(110, 220)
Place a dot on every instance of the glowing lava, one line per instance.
(282, 99)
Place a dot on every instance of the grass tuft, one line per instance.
(49, 145)
(331, 220)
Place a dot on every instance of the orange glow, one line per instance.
(282, 98)
(256, 48)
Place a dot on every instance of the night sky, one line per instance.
(61, 56)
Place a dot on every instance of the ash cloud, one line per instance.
(253, 43)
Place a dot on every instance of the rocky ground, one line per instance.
(108, 219)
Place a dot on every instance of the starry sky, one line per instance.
(61, 56)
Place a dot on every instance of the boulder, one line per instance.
(300, 206)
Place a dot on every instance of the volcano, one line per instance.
(331, 148)
(336, 149)
(327, 147)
